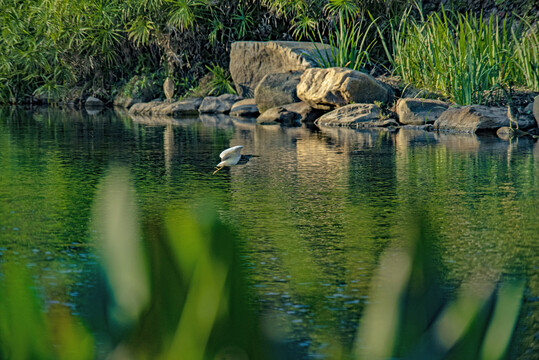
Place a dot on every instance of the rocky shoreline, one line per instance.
(280, 83)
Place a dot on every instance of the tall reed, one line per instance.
(461, 56)
(527, 54)
(349, 46)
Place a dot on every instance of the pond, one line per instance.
(323, 202)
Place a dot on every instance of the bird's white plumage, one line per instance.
(230, 156)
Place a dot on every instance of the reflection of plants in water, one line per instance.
(180, 293)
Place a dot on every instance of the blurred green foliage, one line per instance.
(411, 318)
(176, 289)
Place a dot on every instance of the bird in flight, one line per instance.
(229, 157)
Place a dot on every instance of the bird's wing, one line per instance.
(228, 153)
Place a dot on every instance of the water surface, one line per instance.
(315, 209)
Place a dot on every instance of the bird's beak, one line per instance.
(219, 168)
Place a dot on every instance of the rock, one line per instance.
(307, 113)
(144, 108)
(505, 133)
(184, 107)
(420, 111)
(536, 108)
(290, 114)
(334, 87)
(528, 109)
(250, 61)
(244, 108)
(278, 115)
(426, 127)
(277, 89)
(93, 102)
(350, 115)
(387, 123)
(476, 118)
(220, 104)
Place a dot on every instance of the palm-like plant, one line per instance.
(221, 82)
(184, 13)
(243, 20)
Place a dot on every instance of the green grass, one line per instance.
(463, 57)
(349, 46)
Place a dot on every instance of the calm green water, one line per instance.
(315, 209)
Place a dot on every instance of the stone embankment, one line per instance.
(280, 83)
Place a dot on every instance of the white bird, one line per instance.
(229, 157)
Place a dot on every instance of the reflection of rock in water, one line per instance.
(458, 142)
(216, 120)
(169, 147)
(160, 120)
(350, 140)
(94, 111)
(471, 143)
(410, 137)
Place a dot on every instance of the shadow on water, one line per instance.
(314, 214)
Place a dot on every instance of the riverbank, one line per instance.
(129, 50)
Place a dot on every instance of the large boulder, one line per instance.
(290, 114)
(250, 61)
(477, 118)
(244, 108)
(333, 87)
(184, 107)
(218, 104)
(419, 111)
(277, 89)
(350, 115)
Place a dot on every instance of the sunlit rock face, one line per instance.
(420, 111)
(476, 118)
(177, 108)
(277, 89)
(350, 115)
(250, 61)
(334, 87)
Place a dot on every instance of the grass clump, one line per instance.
(464, 57)
(348, 47)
